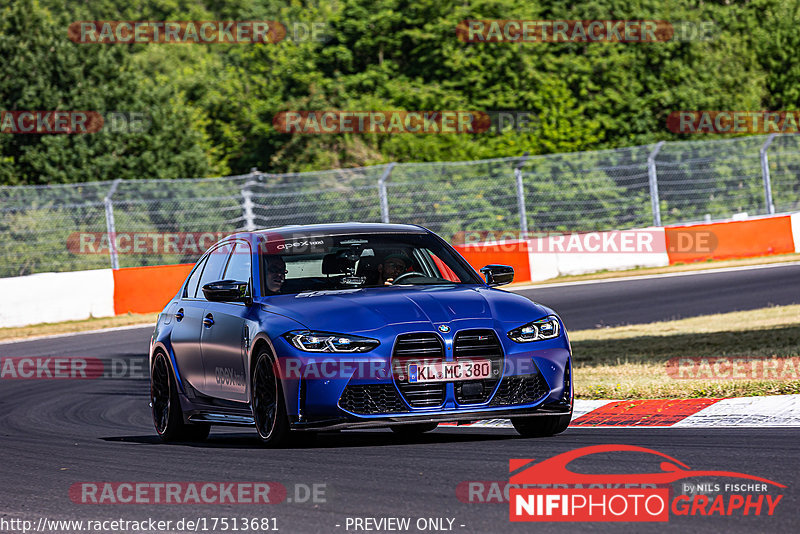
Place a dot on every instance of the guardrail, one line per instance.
(52, 297)
(634, 187)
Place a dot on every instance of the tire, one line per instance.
(541, 426)
(266, 400)
(413, 429)
(166, 407)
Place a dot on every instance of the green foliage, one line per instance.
(52, 73)
(211, 110)
(212, 105)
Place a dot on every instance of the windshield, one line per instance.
(294, 264)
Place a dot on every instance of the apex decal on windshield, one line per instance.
(286, 246)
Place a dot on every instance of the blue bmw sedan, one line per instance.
(338, 326)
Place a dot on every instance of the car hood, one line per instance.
(372, 308)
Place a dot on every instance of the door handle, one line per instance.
(179, 315)
(208, 320)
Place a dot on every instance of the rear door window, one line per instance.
(215, 266)
(191, 285)
(239, 265)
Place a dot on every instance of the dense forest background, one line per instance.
(212, 105)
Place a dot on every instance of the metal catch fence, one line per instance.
(61, 227)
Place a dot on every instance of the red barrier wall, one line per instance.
(726, 240)
(513, 253)
(147, 289)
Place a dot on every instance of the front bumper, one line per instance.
(527, 380)
(460, 416)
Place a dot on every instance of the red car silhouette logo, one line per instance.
(554, 470)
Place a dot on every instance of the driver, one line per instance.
(393, 266)
(275, 275)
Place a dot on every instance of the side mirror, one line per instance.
(498, 275)
(227, 291)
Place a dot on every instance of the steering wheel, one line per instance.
(407, 275)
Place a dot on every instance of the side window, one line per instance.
(239, 266)
(191, 286)
(215, 265)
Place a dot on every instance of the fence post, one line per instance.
(651, 174)
(387, 173)
(247, 201)
(765, 174)
(110, 227)
(523, 216)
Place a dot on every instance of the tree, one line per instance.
(57, 74)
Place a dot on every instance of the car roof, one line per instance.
(311, 230)
(346, 228)
(331, 229)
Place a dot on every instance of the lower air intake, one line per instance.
(369, 399)
(520, 389)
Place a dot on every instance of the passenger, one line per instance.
(275, 275)
(393, 266)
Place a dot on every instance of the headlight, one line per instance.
(546, 328)
(329, 342)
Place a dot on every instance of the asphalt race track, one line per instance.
(56, 433)
(663, 298)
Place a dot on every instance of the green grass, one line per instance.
(631, 361)
(67, 327)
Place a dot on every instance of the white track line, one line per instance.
(653, 276)
(70, 334)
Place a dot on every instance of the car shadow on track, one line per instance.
(327, 440)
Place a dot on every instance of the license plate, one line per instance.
(448, 371)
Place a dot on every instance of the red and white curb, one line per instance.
(780, 410)
(773, 411)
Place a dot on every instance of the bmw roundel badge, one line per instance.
(444, 328)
